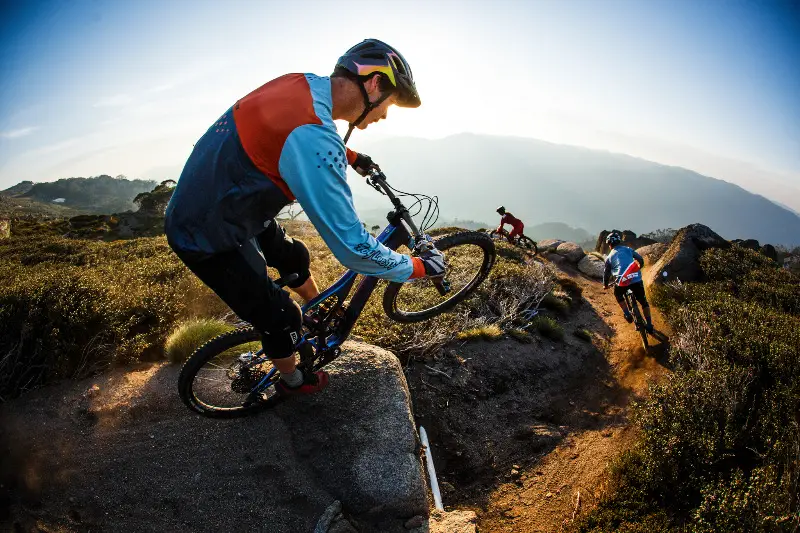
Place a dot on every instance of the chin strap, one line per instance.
(368, 106)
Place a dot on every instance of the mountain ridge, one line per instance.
(541, 181)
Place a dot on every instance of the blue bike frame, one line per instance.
(393, 236)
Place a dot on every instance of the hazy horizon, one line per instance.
(99, 87)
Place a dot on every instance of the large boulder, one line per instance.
(750, 244)
(571, 251)
(548, 245)
(592, 266)
(5, 228)
(770, 251)
(682, 258)
(652, 252)
(123, 453)
(629, 239)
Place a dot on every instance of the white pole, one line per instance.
(437, 496)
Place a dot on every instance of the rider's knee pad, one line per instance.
(297, 261)
(280, 323)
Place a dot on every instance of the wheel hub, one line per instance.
(244, 379)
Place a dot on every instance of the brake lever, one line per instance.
(372, 183)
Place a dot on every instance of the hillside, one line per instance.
(542, 182)
(20, 206)
(19, 189)
(97, 195)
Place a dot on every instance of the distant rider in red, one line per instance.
(515, 223)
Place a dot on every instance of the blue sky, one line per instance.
(115, 87)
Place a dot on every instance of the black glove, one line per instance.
(433, 260)
(363, 163)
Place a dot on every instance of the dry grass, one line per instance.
(548, 327)
(492, 332)
(190, 335)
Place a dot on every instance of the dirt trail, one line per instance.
(570, 478)
(520, 429)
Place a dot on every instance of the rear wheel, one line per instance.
(469, 257)
(640, 324)
(218, 378)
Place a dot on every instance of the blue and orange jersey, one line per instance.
(277, 144)
(624, 265)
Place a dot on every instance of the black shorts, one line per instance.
(240, 279)
(638, 293)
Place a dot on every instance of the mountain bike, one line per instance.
(231, 375)
(521, 240)
(638, 318)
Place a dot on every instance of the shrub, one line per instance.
(583, 334)
(548, 327)
(190, 335)
(489, 333)
(555, 303)
(521, 335)
(69, 308)
(571, 287)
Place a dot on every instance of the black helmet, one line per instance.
(371, 56)
(501, 210)
(614, 238)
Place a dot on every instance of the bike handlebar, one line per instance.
(377, 180)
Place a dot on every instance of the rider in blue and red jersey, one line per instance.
(516, 224)
(624, 265)
(276, 145)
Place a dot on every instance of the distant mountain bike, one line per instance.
(520, 240)
(638, 319)
(231, 375)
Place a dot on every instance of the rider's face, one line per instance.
(380, 112)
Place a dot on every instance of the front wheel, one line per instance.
(496, 235)
(529, 244)
(469, 256)
(219, 378)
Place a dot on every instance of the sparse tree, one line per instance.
(155, 202)
(375, 228)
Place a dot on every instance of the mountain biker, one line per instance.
(516, 224)
(277, 144)
(625, 265)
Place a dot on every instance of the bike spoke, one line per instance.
(225, 382)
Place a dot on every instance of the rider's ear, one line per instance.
(373, 84)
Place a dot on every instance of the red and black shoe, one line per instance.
(312, 382)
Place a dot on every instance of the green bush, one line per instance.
(583, 334)
(190, 335)
(548, 327)
(555, 303)
(70, 307)
(719, 446)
